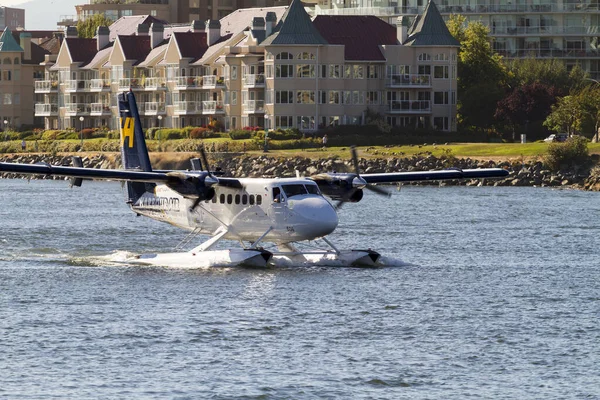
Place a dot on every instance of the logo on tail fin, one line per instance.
(127, 131)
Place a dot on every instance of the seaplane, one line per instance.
(270, 218)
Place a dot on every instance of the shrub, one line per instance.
(88, 133)
(50, 134)
(240, 134)
(202, 133)
(187, 131)
(571, 153)
(169, 134)
(151, 132)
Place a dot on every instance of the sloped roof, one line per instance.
(81, 50)
(295, 27)
(100, 58)
(360, 35)
(8, 42)
(241, 19)
(191, 44)
(127, 26)
(156, 52)
(430, 29)
(38, 54)
(135, 47)
(52, 45)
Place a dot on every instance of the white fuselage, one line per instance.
(287, 210)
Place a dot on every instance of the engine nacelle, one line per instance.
(191, 187)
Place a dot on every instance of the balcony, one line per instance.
(409, 107)
(254, 81)
(212, 107)
(142, 83)
(188, 82)
(46, 110)
(212, 82)
(154, 83)
(548, 53)
(409, 80)
(187, 107)
(46, 86)
(100, 85)
(76, 85)
(74, 109)
(100, 109)
(151, 108)
(254, 107)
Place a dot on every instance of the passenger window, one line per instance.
(237, 199)
(244, 199)
(259, 199)
(229, 199)
(222, 199)
(251, 199)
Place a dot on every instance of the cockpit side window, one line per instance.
(277, 197)
(313, 189)
(294, 190)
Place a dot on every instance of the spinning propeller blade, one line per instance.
(359, 182)
(199, 188)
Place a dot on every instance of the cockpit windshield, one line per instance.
(297, 189)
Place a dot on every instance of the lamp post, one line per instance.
(81, 133)
(266, 145)
(5, 129)
(159, 120)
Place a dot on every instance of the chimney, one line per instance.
(402, 29)
(25, 39)
(197, 26)
(71, 32)
(102, 35)
(142, 30)
(156, 34)
(258, 24)
(213, 31)
(271, 22)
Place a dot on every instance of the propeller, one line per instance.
(199, 188)
(359, 183)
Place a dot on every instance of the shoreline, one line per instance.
(522, 172)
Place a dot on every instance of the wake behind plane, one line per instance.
(255, 212)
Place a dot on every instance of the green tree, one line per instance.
(88, 27)
(566, 115)
(550, 72)
(589, 99)
(482, 76)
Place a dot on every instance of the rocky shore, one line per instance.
(239, 165)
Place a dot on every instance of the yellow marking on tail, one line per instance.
(127, 131)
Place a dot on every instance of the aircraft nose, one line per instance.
(318, 216)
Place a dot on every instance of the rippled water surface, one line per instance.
(498, 297)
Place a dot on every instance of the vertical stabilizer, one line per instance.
(134, 153)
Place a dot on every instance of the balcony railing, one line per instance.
(187, 107)
(254, 106)
(100, 85)
(544, 30)
(151, 108)
(254, 80)
(212, 81)
(100, 108)
(46, 109)
(77, 108)
(154, 83)
(141, 83)
(548, 53)
(46, 86)
(212, 107)
(409, 106)
(76, 85)
(409, 80)
(185, 82)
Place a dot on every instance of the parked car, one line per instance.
(558, 137)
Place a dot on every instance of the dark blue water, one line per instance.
(499, 298)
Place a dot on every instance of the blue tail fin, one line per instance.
(134, 153)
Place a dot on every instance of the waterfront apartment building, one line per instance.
(20, 66)
(12, 18)
(270, 67)
(563, 29)
(174, 11)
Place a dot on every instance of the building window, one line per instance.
(424, 57)
(347, 71)
(441, 57)
(233, 98)
(440, 123)
(284, 71)
(306, 122)
(306, 56)
(305, 97)
(335, 71)
(373, 71)
(335, 97)
(6, 76)
(269, 71)
(284, 121)
(234, 72)
(305, 71)
(284, 56)
(440, 98)
(424, 69)
(358, 72)
(284, 97)
(440, 72)
(373, 98)
(7, 98)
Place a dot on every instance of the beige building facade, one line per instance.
(267, 67)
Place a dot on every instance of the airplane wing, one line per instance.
(85, 173)
(435, 175)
